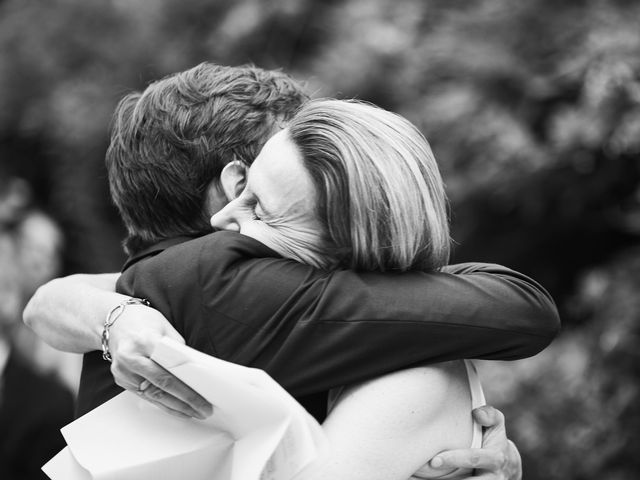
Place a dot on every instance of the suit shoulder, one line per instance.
(221, 245)
(215, 252)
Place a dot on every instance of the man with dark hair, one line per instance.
(173, 149)
(170, 143)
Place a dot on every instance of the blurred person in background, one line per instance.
(34, 404)
(169, 146)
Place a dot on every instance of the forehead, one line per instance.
(278, 156)
(278, 173)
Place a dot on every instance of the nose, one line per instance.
(227, 218)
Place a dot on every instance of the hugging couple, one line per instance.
(308, 238)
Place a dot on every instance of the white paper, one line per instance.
(258, 431)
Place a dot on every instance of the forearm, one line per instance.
(485, 311)
(503, 298)
(68, 313)
(472, 300)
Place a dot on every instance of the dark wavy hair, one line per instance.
(169, 142)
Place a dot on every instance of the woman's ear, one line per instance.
(233, 179)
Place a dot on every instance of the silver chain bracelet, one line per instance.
(111, 318)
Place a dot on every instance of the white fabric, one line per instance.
(5, 349)
(477, 400)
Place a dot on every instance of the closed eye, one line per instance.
(259, 212)
(249, 203)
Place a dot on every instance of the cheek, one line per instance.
(300, 244)
(262, 232)
(281, 240)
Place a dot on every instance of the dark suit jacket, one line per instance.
(232, 297)
(33, 408)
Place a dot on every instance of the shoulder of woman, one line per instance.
(429, 380)
(399, 421)
(415, 397)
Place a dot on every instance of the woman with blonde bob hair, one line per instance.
(350, 185)
(379, 192)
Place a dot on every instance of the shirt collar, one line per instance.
(155, 249)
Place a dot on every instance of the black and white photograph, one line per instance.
(319, 240)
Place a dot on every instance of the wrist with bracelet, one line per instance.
(111, 318)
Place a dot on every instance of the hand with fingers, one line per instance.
(498, 459)
(131, 343)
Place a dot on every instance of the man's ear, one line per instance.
(233, 179)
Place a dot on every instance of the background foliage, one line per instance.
(532, 108)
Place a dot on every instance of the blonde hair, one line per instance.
(381, 198)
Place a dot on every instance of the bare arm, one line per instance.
(68, 313)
